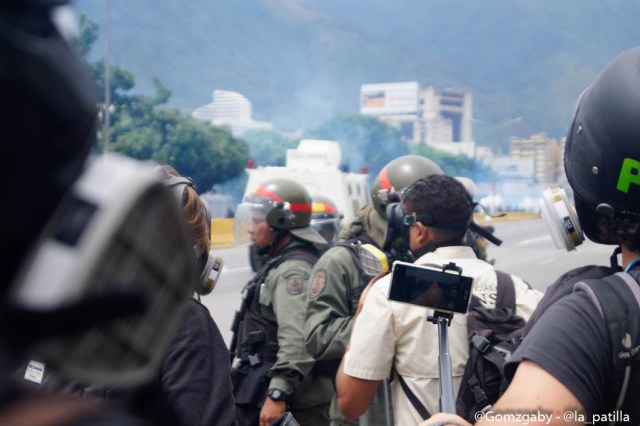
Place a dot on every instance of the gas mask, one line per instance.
(108, 280)
(561, 219)
(395, 247)
(396, 239)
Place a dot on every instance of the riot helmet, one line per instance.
(602, 151)
(325, 218)
(397, 175)
(285, 206)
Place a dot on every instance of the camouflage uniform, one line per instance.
(281, 355)
(336, 285)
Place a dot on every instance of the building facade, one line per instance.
(232, 109)
(438, 118)
(545, 152)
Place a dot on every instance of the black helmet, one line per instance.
(47, 127)
(397, 175)
(287, 206)
(602, 152)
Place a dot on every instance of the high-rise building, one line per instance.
(544, 151)
(232, 109)
(437, 118)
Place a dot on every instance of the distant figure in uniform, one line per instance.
(274, 373)
(338, 278)
(326, 219)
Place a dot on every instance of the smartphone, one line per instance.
(446, 291)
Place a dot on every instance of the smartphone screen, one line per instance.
(431, 288)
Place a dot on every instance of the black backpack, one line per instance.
(493, 335)
(617, 296)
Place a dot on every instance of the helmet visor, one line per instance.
(249, 219)
(328, 228)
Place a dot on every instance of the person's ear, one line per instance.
(423, 233)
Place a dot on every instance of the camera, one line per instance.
(442, 289)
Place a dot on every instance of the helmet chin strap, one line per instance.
(613, 260)
(277, 237)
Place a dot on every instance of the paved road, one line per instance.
(528, 251)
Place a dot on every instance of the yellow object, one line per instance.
(222, 232)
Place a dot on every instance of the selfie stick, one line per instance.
(443, 320)
(447, 401)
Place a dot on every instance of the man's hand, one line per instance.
(271, 410)
(445, 419)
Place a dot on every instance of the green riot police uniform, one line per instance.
(270, 342)
(336, 285)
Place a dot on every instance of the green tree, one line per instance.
(364, 140)
(209, 155)
(142, 129)
(268, 147)
(454, 165)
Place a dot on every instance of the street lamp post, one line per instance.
(107, 86)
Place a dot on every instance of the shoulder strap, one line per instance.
(352, 245)
(307, 254)
(419, 406)
(506, 293)
(619, 305)
(506, 297)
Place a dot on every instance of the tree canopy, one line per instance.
(268, 147)
(364, 140)
(142, 128)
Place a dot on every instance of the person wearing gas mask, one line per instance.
(391, 336)
(274, 374)
(338, 277)
(579, 359)
(60, 296)
(194, 379)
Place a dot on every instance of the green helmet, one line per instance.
(397, 175)
(287, 206)
(325, 218)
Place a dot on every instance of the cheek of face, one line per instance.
(259, 231)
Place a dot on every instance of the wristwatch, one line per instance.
(277, 394)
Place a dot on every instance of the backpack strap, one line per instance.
(419, 406)
(506, 297)
(505, 294)
(619, 305)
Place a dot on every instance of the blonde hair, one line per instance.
(194, 215)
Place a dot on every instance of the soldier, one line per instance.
(274, 373)
(338, 279)
(325, 218)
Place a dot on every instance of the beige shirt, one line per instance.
(390, 333)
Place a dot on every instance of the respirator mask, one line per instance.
(396, 238)
(561, 219)
(106, 284)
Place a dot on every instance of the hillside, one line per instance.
(302, 61)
